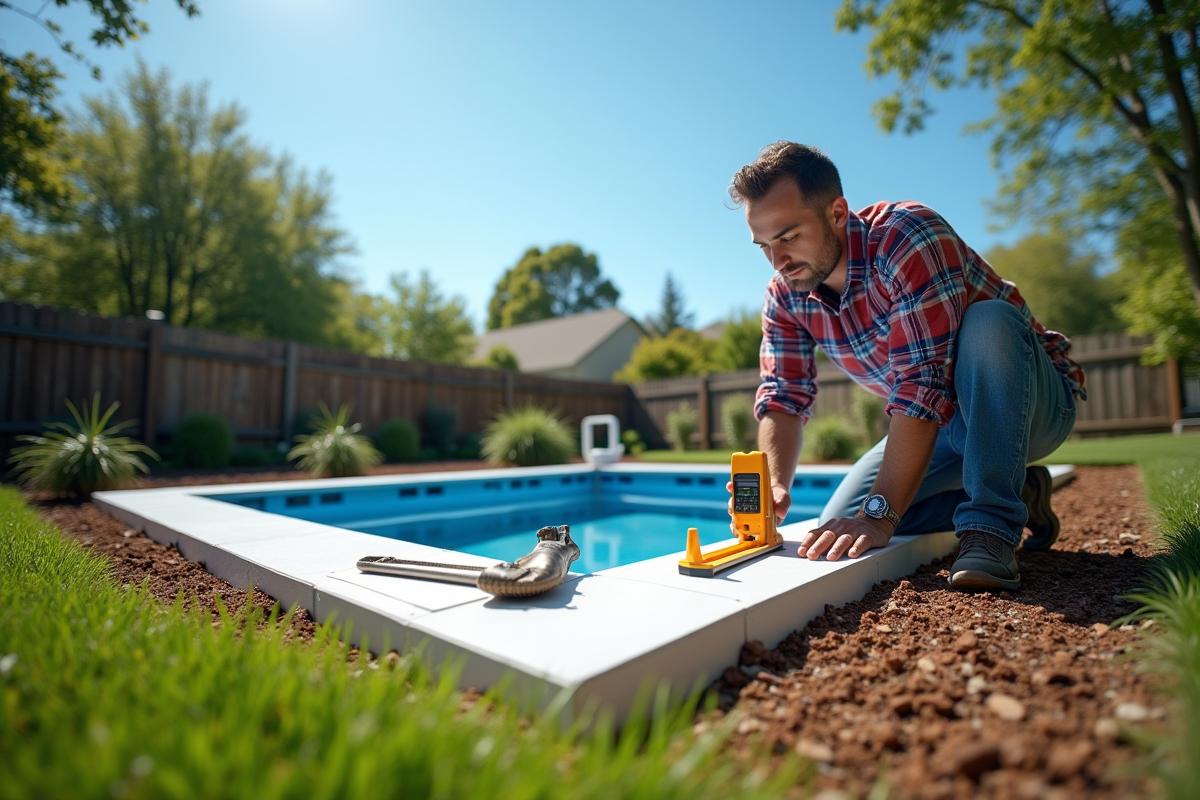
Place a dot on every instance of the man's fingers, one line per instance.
(840, 545)
(822, 544)
(861, 546)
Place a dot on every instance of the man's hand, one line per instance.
(781, 496)
(856, 535)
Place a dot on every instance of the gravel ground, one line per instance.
(940, 693)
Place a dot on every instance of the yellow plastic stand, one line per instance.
(753, 516)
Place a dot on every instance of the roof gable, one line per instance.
(556, 343)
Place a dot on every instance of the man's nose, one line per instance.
(779, 260)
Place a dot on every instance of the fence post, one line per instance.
(291, 366)
(705, 413)
(150, 382)
(1174, 391)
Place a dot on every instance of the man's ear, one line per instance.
(838, 213)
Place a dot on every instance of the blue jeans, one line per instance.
(1012, 407)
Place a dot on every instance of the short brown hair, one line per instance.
(814, 174)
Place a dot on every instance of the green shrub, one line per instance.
(335, 447)
(528, 437)
(830, 438)
(501, 357)
(437, 429)
(632, 440)
(255, 456)
(202, 441)
(82, 458)
(737, 418)
(681, 424)
(866, 410)
(399, 441)
(470, 447)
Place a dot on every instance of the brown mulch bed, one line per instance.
(938, 693)
(945, 694)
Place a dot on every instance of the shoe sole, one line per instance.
(1043, 486)
(978, 580)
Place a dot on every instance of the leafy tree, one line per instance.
(672, 313)
(561, 281)
(501, 357)
(1060, 285)
(31, 177)
(681, 352)
(176, 211)
(1096, 100)
(740, 341)
(422, 325)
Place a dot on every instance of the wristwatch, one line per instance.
(876, 506)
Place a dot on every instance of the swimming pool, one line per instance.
(617, 518)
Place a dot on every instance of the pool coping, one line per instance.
(601, 637)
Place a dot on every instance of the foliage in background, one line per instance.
(561, 281)
(335, 448)
(867, 411)
(87, 457)
(501, 357)
(174, 210)
(1059, 284)
(256, 456)
(1096, 105)
(632, 440)
(741, 338)
(438, 425)
(32, 173)
(422, 325)
(681, 352)
(672, 311)
(737, 420)
(399, 441)
(528, 437)
(681, 424)
(202, 441)
(830, 437)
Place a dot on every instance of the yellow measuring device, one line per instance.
(753, 516)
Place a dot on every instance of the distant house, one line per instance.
(587, 347)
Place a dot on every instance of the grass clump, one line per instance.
(737, 419)
(109, 694)
(79, 459)
(399, 441)
(681, 424)
(202, 441)
(830, 438)
(335, 448)
(528, 437)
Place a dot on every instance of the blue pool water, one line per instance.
(617, 517)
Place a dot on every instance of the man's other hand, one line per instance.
(845, 536)
(781, 496)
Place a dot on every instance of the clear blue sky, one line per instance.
(460, 133)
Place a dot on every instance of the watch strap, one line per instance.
(888, 513)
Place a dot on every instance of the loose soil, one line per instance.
(938, 693)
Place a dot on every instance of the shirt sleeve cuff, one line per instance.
(921, 402)
(770, 398)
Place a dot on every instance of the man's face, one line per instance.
(799, 241)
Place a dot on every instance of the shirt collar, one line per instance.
(856, 247)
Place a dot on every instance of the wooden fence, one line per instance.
(1123, 395)
(161, 373)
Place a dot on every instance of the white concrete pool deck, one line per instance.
(602, 636)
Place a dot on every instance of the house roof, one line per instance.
(555, 343)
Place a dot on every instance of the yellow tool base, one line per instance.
(709, 570)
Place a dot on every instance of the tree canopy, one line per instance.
(681, 352)
(672, 312)
(423, 325)
(738, 347)
(31, 177)
(1095, 101)
(1060, 285)
(561, 281)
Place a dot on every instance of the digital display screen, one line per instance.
(746, 493)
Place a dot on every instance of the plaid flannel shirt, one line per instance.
(909, 278)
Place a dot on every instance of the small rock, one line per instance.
(977, 685)
(814, 751)
(894, 662)
(1148, 623)
(888, 736)
(884, 628)
(1047, 676)
(750, 725)
(831, 794)
(700, 728)
(925, 664)
(1005, 707)
(1068, 759)
(127, 534)
(903, 704)
(1100, 629)
(975, 758)
(1106, 728)
(1129, 537)
(939, 702)
(966, 643)
(967, 669)
(1131, 712)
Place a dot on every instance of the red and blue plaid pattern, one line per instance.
(909, 278)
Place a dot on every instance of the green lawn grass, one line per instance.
(106, 693)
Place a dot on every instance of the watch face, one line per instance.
(875, 504)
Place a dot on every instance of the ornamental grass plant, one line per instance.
(681, 424)
(108, 693)
(830, 437)
(89, 456)
(737, 420)
(528, 436)
(335, 448)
